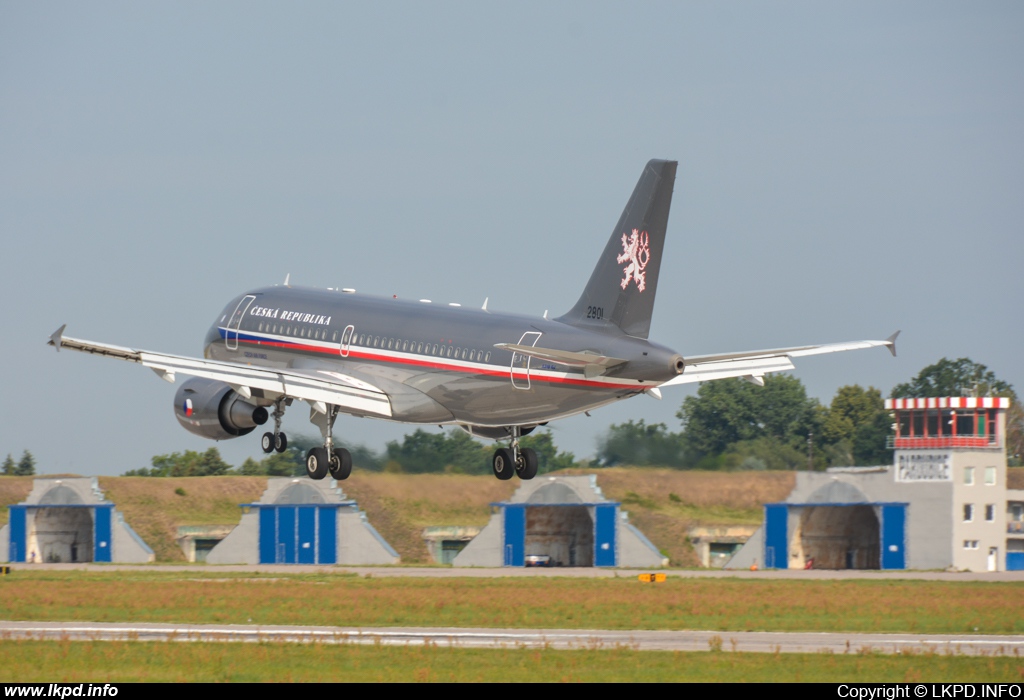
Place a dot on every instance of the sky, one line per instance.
(845, 170)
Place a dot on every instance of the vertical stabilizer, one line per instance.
(622, 287)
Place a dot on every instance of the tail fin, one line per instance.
(622, 287)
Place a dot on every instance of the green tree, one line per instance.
(250, 467)
(26, 465)
(960, 377)
(9, 468)
(423, 452)
(728, 411)
(188, 463)
(549, 459)
(641, 445)
(854, 428)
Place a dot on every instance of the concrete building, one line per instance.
(301, 521)
(68, 520)
(445, 543)
(559, 521)
(716, 545)
(942, 504)
(197, 541)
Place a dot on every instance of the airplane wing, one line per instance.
(319, 388)
(754, 364)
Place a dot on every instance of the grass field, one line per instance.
(99, 662)
(544, 603)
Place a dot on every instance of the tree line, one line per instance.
(26, 466)
(422, 451)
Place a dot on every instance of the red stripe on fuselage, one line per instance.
(361, 354)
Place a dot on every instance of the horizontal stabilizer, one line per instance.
(348, 393)
(563, 357)
(754, 364)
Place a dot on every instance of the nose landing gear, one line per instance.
(276, 440)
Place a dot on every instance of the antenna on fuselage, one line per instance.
(286, 278)
(484, 307)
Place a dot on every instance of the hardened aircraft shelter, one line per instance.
(300, 521)
(68, 520)
(559, 521)
(944, 503)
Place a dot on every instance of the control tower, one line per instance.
(959, 443)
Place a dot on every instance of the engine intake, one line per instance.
(213, 410)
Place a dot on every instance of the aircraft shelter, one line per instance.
(68, 520)
(300, 521)
(559, 521)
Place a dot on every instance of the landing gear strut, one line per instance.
(514, 460)
(321, 461)
(276, 440)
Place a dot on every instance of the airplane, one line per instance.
(496, 375)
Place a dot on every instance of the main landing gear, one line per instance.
(520, 461)
(276, 440)
(321, 461)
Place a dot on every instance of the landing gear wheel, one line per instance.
(316, 463)
(267, 443)
(341, 464)
(502, 464)
(527, 466)
(280, 443)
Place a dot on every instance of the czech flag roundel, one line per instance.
(188, 408)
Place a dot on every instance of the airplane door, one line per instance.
(231, 336)
(346, 339)
(520, 369)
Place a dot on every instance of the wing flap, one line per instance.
(563, 357)
(349, 394)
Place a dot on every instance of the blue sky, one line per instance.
(845, 170)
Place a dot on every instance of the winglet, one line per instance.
(56, 337)
(890, 343)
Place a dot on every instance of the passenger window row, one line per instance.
(376, 341)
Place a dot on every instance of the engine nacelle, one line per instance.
(213, 410)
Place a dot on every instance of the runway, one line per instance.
(453, 637)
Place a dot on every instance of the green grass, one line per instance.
(100, 662)
(544, 603)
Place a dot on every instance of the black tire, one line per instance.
(267, 443)
(527, 467)
(280, 443)
(317, 463)
(503, 465)
(341, 465)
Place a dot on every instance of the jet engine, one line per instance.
(214, 410)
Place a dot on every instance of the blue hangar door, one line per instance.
(894, 536)
(300, 534)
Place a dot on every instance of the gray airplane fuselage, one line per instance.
(438, 363)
